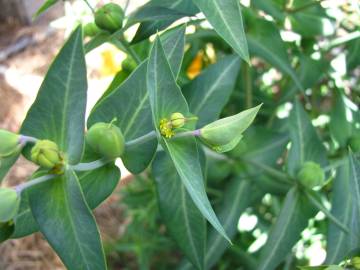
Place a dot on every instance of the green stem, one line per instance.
(20, 188)
(248, 86)
(90, 165)
(27, 139)
(91, 8)
(129, 50)
(143, 139)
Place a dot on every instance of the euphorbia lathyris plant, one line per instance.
(76, 168)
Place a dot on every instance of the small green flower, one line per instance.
(9, 143)
(177, 120)
(166, 128)
(106, 139)
(46, 154)
(224, 134)
(109, 17)
(9, 204)
(311, 175)
(355, 262)
(91, 29)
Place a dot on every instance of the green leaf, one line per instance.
(178, 9)
(67, 222)
(130, 104)
(208, 93)
(58, 113)
(225, 16)
(183, 220)
(270, 7)
(286, 231)
(355, 199)
(340, 126)
(353, 51)
(265, 41)
(47, 4)
(6, 230)
(6, 164)
(338, 241)
(165, 98)
(305, 142)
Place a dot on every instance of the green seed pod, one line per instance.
(355, 262)
(109, 17)
(46, 154)
(9, 143)
(9, 204)
(311, 175)
(91, 30)
(354, 143)
(106, 139)
(177, 120)
(224, 134)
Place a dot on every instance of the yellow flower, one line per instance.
(166, 128)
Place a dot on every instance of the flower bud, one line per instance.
(46, 154)
(177, 120)
(91, 30)
(354, 143)
(224, 134)
(109, 17)
(311, 175)
(355, 262)
(106, 139)
(9, 143)
(9, 204)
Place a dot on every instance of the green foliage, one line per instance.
(188, 126)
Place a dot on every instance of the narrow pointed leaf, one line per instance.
(226, 18)
(305, 142)
(129, 103)
(182, 218)
(355, 199)
(47, 4)
(286, 231)
(338, 242)
(6, 164)
(208, 93)
(166, 98)
(67, 222)
(58, 113)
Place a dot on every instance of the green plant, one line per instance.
(305, 137)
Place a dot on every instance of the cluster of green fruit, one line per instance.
(107, 18)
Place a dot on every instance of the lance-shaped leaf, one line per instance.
(181, 216)
(130, 104)
(6, 163)
(286, 231)
(338, 242)
(265, 41)
(226, 18)
(58, 113)
(97, 186)
(166, 98)
(175, 10)
(305, 142)
(48, 4)
(208, 93)
(355, 200)
(224, 134)
(67, 222)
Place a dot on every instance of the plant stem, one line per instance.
(88, 4)
(143, 139)
(248, 86)
(27, 139)
(195, 133)
(90, 166)
(20, 188)
(129, 50)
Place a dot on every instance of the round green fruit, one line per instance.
(311, 175)
(106, 139)
(91, 30)
(355, 262)
(177, 120)
(9, 204)
(354, 143)
(46, 154)
(109, 17)
(9, 143)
